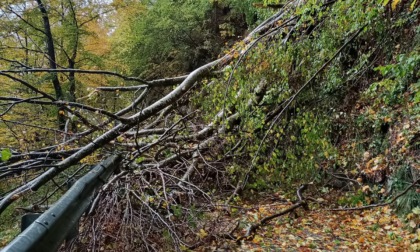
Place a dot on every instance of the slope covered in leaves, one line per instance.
(318, 230)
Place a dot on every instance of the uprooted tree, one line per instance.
(273, 110)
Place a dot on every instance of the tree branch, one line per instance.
(300, 203)
(379, 204)
(114, 132)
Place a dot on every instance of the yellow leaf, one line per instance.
(412, 5)
(410, 216)
(384, 220)
(394, 4)
(257, 239)
(202, 234)
(385, 2)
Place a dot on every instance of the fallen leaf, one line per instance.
(257, 239)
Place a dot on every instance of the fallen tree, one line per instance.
(127, 123)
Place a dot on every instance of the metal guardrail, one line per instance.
(48, 232)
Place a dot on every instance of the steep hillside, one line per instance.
(303, 135)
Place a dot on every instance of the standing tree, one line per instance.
(53, 31)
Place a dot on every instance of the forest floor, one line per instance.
(320, 229)
(316, 229)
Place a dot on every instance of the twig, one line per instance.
(98, 197)
(379, 204)
(345, 178)
(61, 103)
(300, 203)
(81, 71)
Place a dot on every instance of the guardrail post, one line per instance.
(27, 220)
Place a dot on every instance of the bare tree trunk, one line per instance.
(73, 56)
(51, 59)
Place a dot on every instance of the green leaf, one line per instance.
(6, 154)
(416, 210)
(384, 3)
(176, 210)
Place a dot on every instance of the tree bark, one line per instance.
(51, 60)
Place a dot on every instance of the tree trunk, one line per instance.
(52, 62)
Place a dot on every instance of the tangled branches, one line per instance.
(175, 159)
